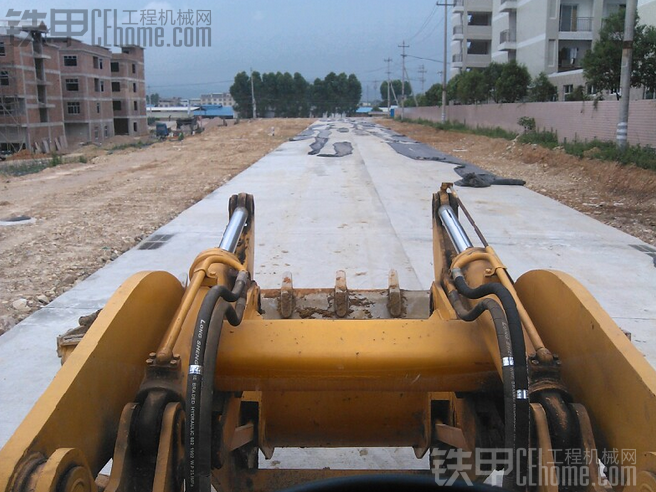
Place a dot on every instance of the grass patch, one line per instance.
(643, 157)
(55, 160)
(24, 168)
(138, 145)
(545, 139)
(495, 132)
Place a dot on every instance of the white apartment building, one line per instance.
(550, 36)
(222, 98)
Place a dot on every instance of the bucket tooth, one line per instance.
(394, 301)
(341, 298)
(286, 305)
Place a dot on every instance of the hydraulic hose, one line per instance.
(222, 311)
(512, 349)
(195, 376)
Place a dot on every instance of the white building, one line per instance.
(550, 36)
(217, 98)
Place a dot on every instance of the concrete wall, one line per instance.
(572, 120)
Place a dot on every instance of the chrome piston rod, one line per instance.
(233, 229)
(453, 227)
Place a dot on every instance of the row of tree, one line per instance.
(291, 96)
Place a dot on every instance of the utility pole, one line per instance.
(625, 76)
(446, 13)
(388, 60)
(253, 97)
(403, 55)
(422, 76)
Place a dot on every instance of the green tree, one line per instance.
(472, 88)
(577, 94)
(541, 89)
(397, 86)
(602, 65)
(452, 88)
(240, 91)
(152, 99)
(644, 64)
(512, 85)
(492, 73)
(432, 97)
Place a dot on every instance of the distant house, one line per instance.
(364, 111)
(215, 111)
(171, 112)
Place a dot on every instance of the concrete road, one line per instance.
(365, 213)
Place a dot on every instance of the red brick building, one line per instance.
(57, 92)
(30, 93)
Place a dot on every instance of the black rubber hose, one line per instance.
(222, 311)
(195, 376)
(507, 361)
(514, 371)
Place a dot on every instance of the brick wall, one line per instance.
(579, 120)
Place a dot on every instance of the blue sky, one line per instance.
(311, 37)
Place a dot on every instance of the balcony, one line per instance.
(456, 60)
(458, 6)
(508, 5)
(507, 40)
(575, 28)
(458, 32)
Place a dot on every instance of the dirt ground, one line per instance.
(87, 214)
(621, 196)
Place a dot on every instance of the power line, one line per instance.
(424, 58)
(439, 23)
(426, 22)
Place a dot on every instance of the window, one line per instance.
(134, 87)
(72, 85)
(479, 19)
(96, 85)
(114, 66)
(134, 126)
(106, 131)
(116, 87)
(97, 63)
(96, 132)
(477, 47)
(568, 15)
(116, 105)
(70, 60)
(134, 68)
(98, 108)
(568, 89)
(2, 48)
(100, 63)
(592, 90)
(136, 106)
(73, 107)
(4, 78)
(9, 105)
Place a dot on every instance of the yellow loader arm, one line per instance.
(182, 388)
